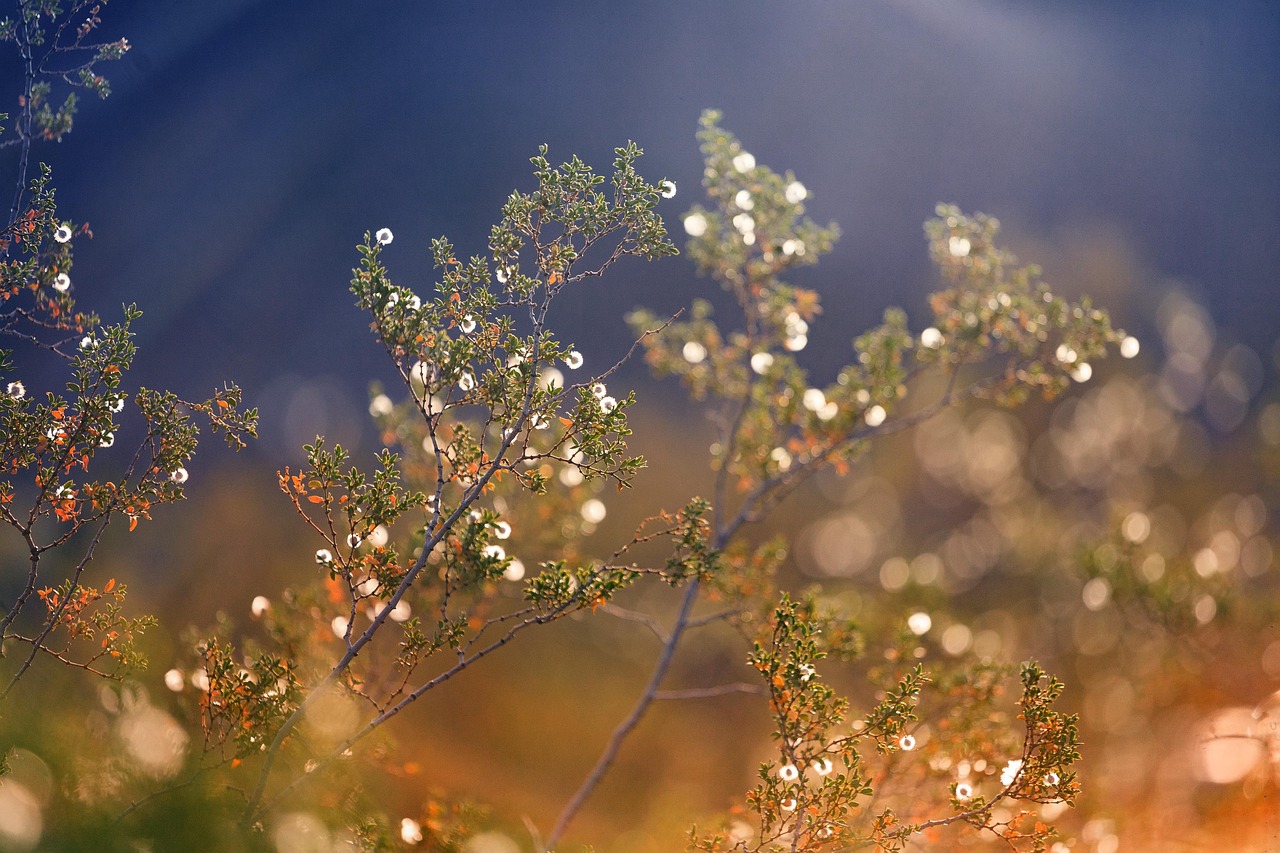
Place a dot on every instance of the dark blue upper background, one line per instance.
(249, 145)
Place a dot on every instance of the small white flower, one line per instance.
(695, 225)
(931, 338)
(760, 362)
(62, 234)
(410, 831)
(795, 343)
(749, 239)
(668, 189)
(1129, 347)
(781, 457)
(16, 390)
(807, 671)
(788, 805)
(964, 791)
(62, 282)
(608, 404)
(744, 222)
(829, 411)
(107, 440)
(354, 540)
(414, 302)
(958, 247)
(907, 743)
(599, 391)
(823, 767)
(793, 247)
(393, 299)
(694, 352)
(379, 536)
(788, 773)
(65, 492)
(1051, 779)
(88, 343)
(1010, 772)
(323, 557)
(514, 570)
(502, 530)
(466, 381)
(384, 236)
(573, 360)
(744, 162)
(795, 192)
(260, 605)
(1065, 354)
(813, 399)
(743, 200)
(118, 405)
(496, 552)
(468, 324)
(55, 434)
(178, 475)
(501, 275)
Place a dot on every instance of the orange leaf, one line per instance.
(224, 404)
(111, 584)
(316, 499)
(133, 522)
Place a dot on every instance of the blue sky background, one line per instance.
(1129, 147)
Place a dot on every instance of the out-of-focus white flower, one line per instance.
(1129, 347)
(502, 530)
(694, 352)
(496, 552)
(174, 681)
(260, 604)
(875, 416)
(323, 557)
(384, 236)
(958, 247)
(823, 767)
(744, 200)
(339, 626)
(1010, 772)
(744, 162)
(380, 405)
(410, 831)
(931, 338)
(1083, 372)
(695, 225)
(514, 570)
(761, 361)
(594, 511)
(795, 192)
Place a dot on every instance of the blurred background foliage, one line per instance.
(1125, 535)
